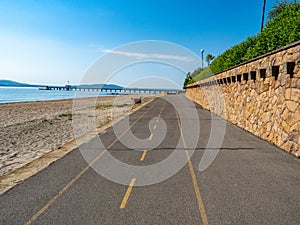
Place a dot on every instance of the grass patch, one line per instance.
(69, 115)
(47, 121)
(205, 73)
(102, 107)
(121, 106)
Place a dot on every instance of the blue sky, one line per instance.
(51, 42)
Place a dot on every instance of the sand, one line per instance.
(31, 129)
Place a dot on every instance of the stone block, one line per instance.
(276, 84)
(297, 150)
(267, 80)
(292, 57)
(275, 126)
(288, 93)
(297, 83)
(295, 127)
(295, 94)
(290, 119)
(297, 115)
(282, 79)
(264, 87)
(265, 117)
(274, 100)
(294, 137)
(286, 146)
(285, 114)
(271, 136)
(285, 126)
(292, 106)
(269, 127)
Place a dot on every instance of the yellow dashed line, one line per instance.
(143, 155)
(127, 194)
(197, 191)
(194, 179)
(151, 136)
(46, 206)
(66, 187)
(154, 126)
(162, 109)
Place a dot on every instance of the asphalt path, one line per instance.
(137, 177)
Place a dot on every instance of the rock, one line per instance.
(294, 137)
(292, 106)
(288, 93)
(285, 113)
(285, 126)
(296, 154)
(282, 80)
(297, 115)
(295, 94)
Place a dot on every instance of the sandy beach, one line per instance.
(29, 130)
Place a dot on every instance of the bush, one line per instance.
(280, 31)
(188, 80)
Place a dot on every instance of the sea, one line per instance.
(28, 94)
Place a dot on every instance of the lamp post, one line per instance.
(202, 51)
(263, 16)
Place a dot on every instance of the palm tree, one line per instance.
(209, 58)
(277, 9)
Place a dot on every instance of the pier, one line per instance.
(115, 90)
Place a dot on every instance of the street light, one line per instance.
(202, 51)
(263, 16)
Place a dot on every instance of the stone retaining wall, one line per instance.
(261, 96)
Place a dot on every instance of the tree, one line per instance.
(188, 80)
(209, 58)
(280, 31)
(279, 7)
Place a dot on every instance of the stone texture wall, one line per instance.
(261, 96)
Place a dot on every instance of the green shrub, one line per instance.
(206, 72)
(280, 31)
(188, 80)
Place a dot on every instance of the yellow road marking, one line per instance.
(67, 186)
(159, 115)
(151, 136)
(127, 194)
(162, 109)
(194, 179)
(143, 155)
(197, 191)
(46, 206)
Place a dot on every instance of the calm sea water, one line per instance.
(20, 94)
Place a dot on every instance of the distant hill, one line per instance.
(10, 83)
(112, 86)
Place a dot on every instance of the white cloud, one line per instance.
(138, 55)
